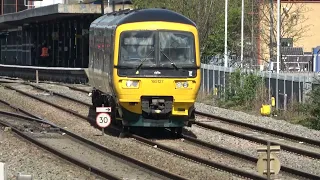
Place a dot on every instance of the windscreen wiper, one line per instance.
(144, 59)
(172, 63)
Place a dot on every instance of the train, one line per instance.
(145, 65)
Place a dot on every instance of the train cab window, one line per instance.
(177, 47)
(137, 46)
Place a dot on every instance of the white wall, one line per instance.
(47, 2)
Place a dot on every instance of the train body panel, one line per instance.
(148, 62)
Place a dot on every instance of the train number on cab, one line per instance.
(157, 81)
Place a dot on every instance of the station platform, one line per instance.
(62, 27)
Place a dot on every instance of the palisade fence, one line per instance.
(283, 86)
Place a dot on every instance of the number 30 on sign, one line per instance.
(103, 120)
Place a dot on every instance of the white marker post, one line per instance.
(3, 171)
(103, 119)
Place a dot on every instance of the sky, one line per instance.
(47, 2)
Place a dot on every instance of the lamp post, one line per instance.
(242, 24)
(271, 33)
(226, 34)
(278, 35)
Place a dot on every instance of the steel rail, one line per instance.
(262, 129)
(211, 127)
(235, 171)
(54, 151)
(98, 146)
(228, 151)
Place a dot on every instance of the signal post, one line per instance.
(268, 163)
(103, 119)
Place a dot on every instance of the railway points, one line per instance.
(65, 22)
(90, 147)
(290, 170)
(180, 163)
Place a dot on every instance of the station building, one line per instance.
(61, 26)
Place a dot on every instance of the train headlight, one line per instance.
(180, 85)
(132, 84)
(185, 84)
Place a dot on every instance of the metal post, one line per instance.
(299, 89)
(292, 81)
(242, 24)
(37, 76)
(271, 32)
(102, 7)
(219, 81)
(277, 92)
(269, 85)
(224, 83)
(226, 34)
(208, 80)
(252, 54)
(102, 128)
(203, 79)
(285, 101)
(214, 78)
(278, 36)
(268, 160)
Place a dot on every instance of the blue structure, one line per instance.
(316, 59)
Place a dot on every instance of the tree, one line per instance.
(293, 25)
(209, 17)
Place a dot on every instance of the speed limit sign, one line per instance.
(103, 120)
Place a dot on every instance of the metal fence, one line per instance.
(284, 86)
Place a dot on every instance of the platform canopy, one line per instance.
(47, 13)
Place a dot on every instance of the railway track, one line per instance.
(258, 134)
(88, 154)
(189, 139)
(288, 142)
(194, 158)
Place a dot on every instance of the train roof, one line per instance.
(140, 15)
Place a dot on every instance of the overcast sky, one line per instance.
(47, 2)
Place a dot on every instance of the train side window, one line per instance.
(97, 47)
(91, 44)
(111, 46)
(95, 51)
(107, 50)
(100, 49)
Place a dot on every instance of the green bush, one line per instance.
(314, 106)
(242, 89)
(247, 91)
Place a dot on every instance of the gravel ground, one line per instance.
(267, 122)
(219, 157)
(66, 91)
(240, 145)
(96, 158)
(260, 135)
(4, 107)
(128, 146)
(26, 158)
(249, 148)
(215, 156)
(79, 150)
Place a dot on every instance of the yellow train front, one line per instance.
(154, 71)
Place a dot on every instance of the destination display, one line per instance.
(138, 41)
